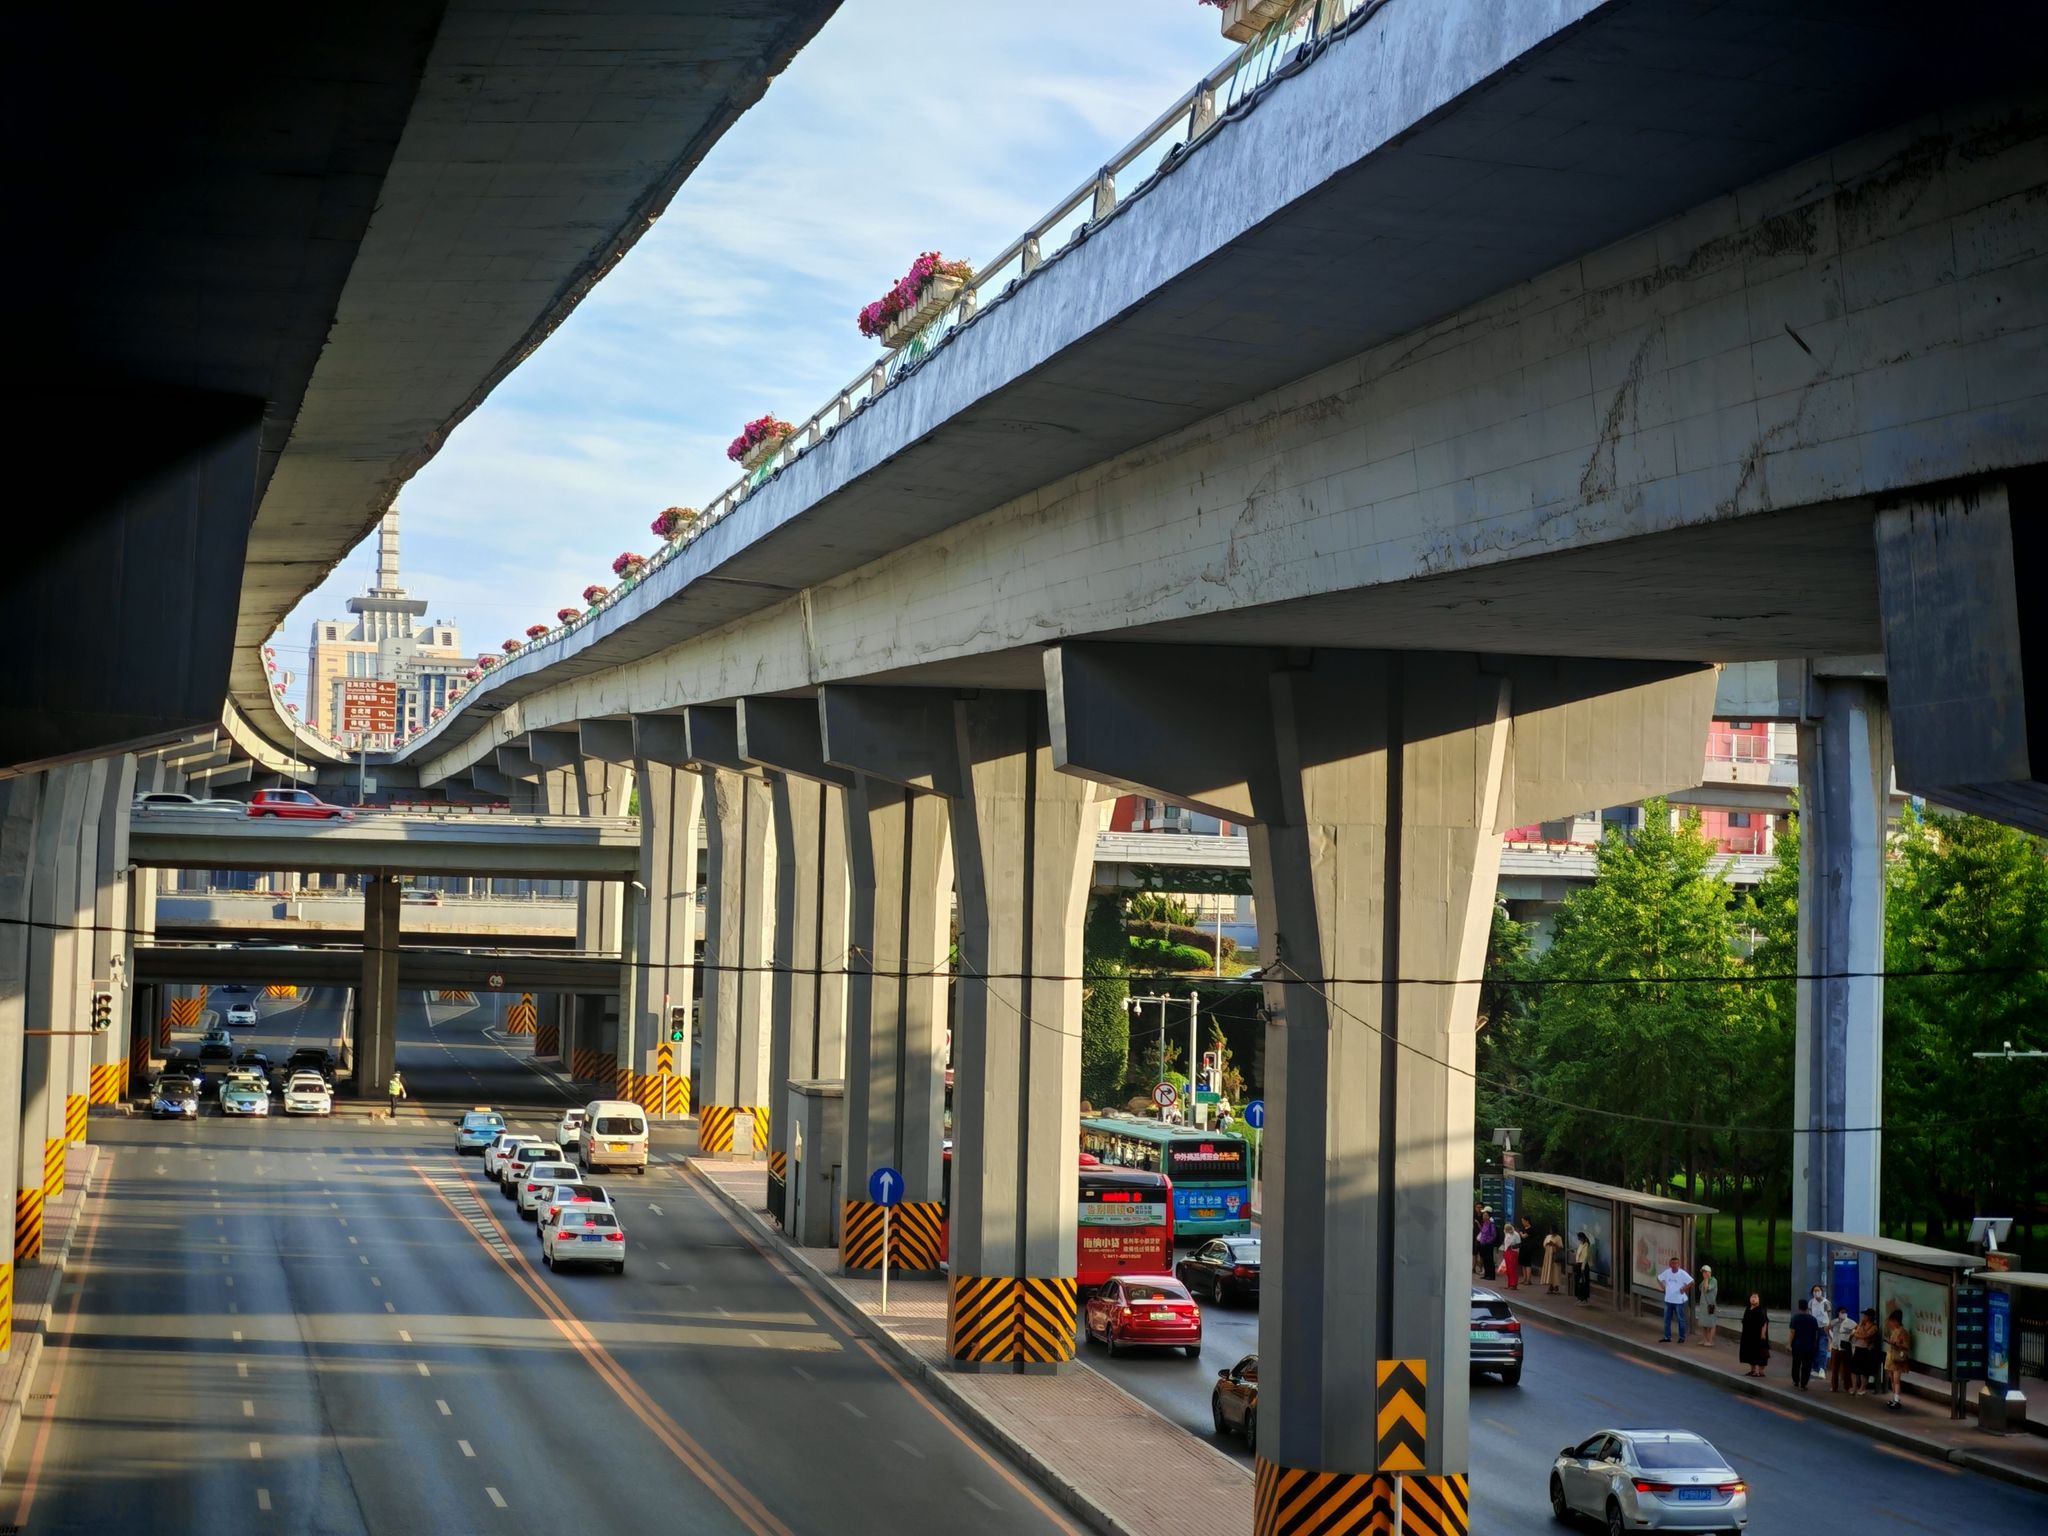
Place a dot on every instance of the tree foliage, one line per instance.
(1105, 1022)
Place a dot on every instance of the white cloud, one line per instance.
(905, 125)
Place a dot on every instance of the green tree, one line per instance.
(1105, 1022)
(1506, 1007)
(1627, 1040)
(1966, 899)
(1152, 907)
(1758, 1069)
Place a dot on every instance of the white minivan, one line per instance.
(614, 1136)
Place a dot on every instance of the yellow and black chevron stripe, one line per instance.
(6, 1303)
(714, 1129)
(184, 1014)
(28, 1226)
(281, 989)
(105, 1085)
(679, 1095)
(55, 1152)
(522, 1018)
(913, 1231)
(1299, 1501)
(138, 1066)
(778, 1165)
(454, 996)
(761, 1127)
(1003, 1320)
(74, 1118)
(547, 1040)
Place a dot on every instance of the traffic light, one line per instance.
(1208, 1062)
(678, 1025)
(102, 1012)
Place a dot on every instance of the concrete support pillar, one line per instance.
(733, 1112)
(554, 793)
(808, 992)
(75, 1051)
(20, 799)
(1023, 845)
(1377, 786)
(664, 981)
(1838, 1079)
(139, 1016)
(52, 979)
(376, 1013)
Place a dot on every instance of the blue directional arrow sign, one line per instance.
(1255, 1114)
(885, 1187)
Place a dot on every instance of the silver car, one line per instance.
(1648, 1480)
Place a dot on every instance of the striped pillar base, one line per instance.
(281, 991)
(522, 1018)
(913, 1234)
(105, 1086)
(6, 1305)
(714, 1129)
(679, 1095)
(1002, 1322)
(547, 1040)
(74, 1118)
(138, 1066)
(185, 1014)
(28, 1228)
(1298, 1501)
(55, 1153)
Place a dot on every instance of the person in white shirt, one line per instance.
(1676, 1283)
(1817, 1304)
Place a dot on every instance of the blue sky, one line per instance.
(906, 125)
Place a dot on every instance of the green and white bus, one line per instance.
(1211, 1197)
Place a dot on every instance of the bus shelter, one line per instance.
(1632, 1234)
(1932, 1289)
(2015, 1310)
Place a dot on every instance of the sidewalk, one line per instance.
(1124, 1469)
(35, 1290)
(1923, 1426)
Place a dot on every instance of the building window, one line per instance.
(1738, 819)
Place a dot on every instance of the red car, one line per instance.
(1145, 1311)
(296, 803)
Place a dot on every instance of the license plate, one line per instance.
(1693, 1495)
(1162, 1317)
(591, 1237)
(1484, 1336)
(615, 1146)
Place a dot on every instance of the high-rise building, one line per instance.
(386, 642)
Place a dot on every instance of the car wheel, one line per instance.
(547, 1259)
(1616, 1525)
(1109, 1343)
(1193, 1351)
(619, 1268)
(1559, 1510)
(1216, 1413)
(1511, 1377)
(1251, 1430)
(1217, 1293)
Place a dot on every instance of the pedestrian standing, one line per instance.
(1511, 1255)
(1842, 1353)
(1478, 1221)
(1863, 1352)
(1582, 1269)
(1898, 1347)
(1755, 1351)
(394, 1091)
(1708, 1293)
(1805, 1342)
(1553, 1260)
(1824, 1318)
(1676, 1283)
(1489, 1239)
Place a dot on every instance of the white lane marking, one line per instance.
(404, 1337)
(263, 1498)
(977, 1494)
(242, 1368)
(238, 1335)
(497, 1498)
(216, 1205)
(248, 1408)
(661, 1264)
(342, 1219)
(388, 1307)
(466, 1450)
(913, 1450)
(807, 1376)
(656, 1209)
(442, 1404)
(356, 1241)
(376, 1282)
(423, 1367)
(758, 1340)
(362, 1258)
(255, 1450)
(230, 1280)
(851, 1409)
(721, 1311)
(224, 1257)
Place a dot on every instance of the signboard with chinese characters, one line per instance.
(369, 706)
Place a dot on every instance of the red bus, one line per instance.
(1124, 1222)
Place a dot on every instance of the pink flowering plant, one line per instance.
(535, 631)
(754, 433)
(909, 289)
(436, 712)
(673, 520)
(566, 614)
(509, 646)
(594, 594)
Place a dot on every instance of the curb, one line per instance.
(938, 1382)
(12, 1412)
(1817, 1408)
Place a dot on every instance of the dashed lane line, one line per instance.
(497, 1498)
(263, 1499)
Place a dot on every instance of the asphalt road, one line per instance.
(1803, 1476)
(338, 1327)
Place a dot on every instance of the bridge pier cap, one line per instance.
(1376, 786)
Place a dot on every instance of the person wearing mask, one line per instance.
(1805, 1341)
(1582, 1270)
(1863, 1351)
(1842, 1352)
(1823, 1315)
(1898, 1348)
(1553, 1261)
(1489, 1240)
(1708, 1295)
(1755, 1351)
(1511, 1254)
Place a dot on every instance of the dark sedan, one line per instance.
(1234, 1405)
(1224, 1269)
(1496, 1337)
(174, 1098)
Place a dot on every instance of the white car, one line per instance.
(307, 1094)
(241, 1015)
(568, 1197)
(1648, 1480)
(494, 1154)
(513, 1165)
(585, 1237)
(540, 1182)
(217, 1034)
(570, 1131)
